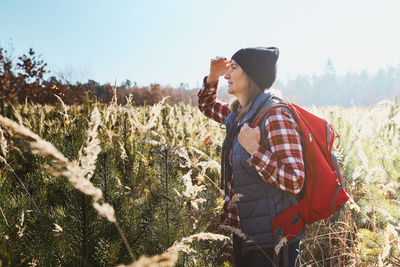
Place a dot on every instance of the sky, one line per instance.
(171, 42)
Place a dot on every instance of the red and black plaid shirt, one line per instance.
(283, 166)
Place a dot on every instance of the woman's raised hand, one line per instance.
(218, 67)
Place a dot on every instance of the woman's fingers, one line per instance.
(219, 66)
(218, 59)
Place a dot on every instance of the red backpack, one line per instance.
(323, 191)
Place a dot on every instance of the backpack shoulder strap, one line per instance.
(262, 116)
(262, 112)
(260, 120)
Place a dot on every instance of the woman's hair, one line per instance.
(253, 90)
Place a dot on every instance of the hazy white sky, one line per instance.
(173, 41)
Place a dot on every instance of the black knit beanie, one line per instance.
(259, 63)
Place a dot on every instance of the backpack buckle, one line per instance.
(278, 233)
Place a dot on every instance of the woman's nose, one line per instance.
(227, 75)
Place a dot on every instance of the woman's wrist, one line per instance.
(211, 78)
(249, 160)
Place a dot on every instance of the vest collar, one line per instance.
(257, 104)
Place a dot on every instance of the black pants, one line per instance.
(257, 258)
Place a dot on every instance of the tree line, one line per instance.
(346, 90)
(23, 80)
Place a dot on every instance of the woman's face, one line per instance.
(237, 80)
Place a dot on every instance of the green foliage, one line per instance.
(159, 168)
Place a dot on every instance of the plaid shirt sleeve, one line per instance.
(283, 166)
(208, 103)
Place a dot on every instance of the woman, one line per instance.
(261, 175)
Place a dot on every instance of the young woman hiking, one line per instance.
(261, 175)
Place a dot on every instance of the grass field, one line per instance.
(103, 185)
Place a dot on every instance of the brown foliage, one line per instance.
(24, 81)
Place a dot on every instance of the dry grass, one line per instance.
(170, 256)
(366, 234)
(92, 148)
(76, 175)
(3, 144)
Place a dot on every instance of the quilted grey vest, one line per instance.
(261, 201)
